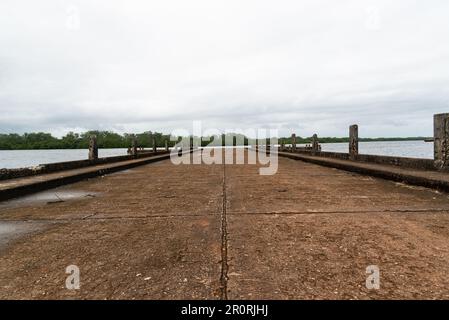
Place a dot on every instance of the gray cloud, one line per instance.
(309, 66)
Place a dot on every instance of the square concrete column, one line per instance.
(93, 148)
(441, 140)
(315, 144)
(154, 145)
(134, 147)
(353, 141)
(267, 145)
(293, 142)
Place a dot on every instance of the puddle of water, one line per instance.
(13, 230)
(48, 197)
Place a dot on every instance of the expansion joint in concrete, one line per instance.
(224, 244)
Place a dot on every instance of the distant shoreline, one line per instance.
(327, 140)
(112, 140)
(345, 139)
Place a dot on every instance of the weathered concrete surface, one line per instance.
(156, 232)
(441, 139)
(353, 141)
(11, 230)
(93, 148)
(293, 142)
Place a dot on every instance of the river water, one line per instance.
(411, 149)
(27, 158)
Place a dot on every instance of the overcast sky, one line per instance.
(300, 66)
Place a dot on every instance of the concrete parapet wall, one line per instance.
(67, 165)
(428, 179)
(412, 163)
(403, 162)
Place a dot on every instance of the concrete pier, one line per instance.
(223, 231)
(161, 231)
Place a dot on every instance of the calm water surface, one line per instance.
(412, 149)
(27, 158)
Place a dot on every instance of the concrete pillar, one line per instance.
(134, 147)
(293, 142)
(93, 148)
(166, 145)
(268, 146)
(353, 141)
(154, 145)
(315, 144)
(441, 140)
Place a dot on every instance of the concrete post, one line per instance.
(353, 141)
(134, 147)
(293, 142)
(154, 145)
(441, 140)
(182, 146)
(93, 148)
(166, 145)
(282, 145)
(315, 144)
(268, 146)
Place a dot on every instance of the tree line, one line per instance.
(105, 139)
(108, 139)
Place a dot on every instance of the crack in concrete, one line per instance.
(95, 217)
(224, 243)
(90, 218)
(341, 212)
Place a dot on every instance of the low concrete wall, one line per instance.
(68, 165)
(412, 163)
(387, 172)
(18, 190)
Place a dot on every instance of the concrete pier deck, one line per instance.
(161, 231)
